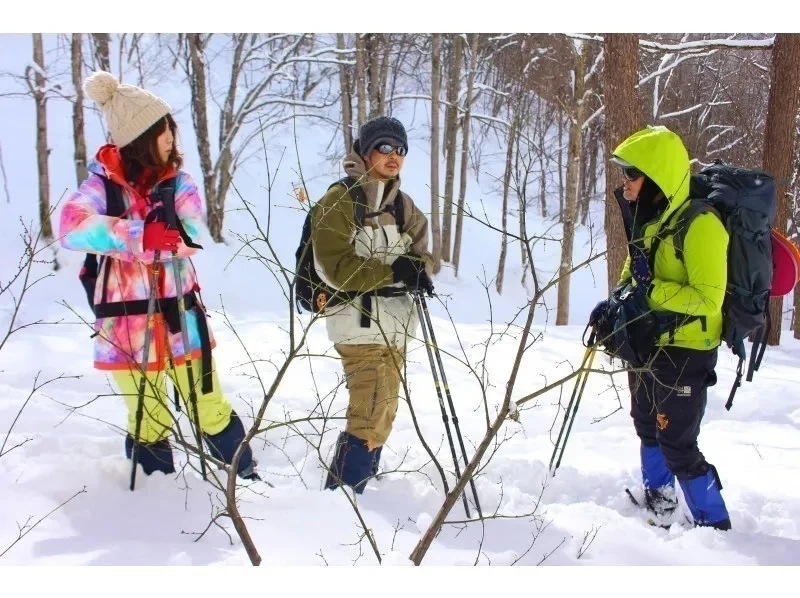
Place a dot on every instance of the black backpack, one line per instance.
(313, 295)
(745, 201)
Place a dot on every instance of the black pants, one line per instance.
(668, 403)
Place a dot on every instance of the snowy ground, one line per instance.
(754, 446)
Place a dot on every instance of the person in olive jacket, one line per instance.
(669, 399)
(384, 260)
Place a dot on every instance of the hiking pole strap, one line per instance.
(764, 340)
(736, 383)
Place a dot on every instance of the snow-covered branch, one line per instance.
(709, 44)
(681, 112)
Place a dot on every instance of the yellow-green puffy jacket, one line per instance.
(696, 285)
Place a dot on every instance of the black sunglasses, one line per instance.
(386, 148)
(631, 174)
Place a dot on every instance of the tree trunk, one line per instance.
(450, 142)
(371, 45)
(573, 186)
(42, 151)
(501, 264)
(361, 89)
(436, 231)
(560, 159)
(784, 99)
(347, 101)
(216, 201)
(591, 174)
(620, 77)
(199, 105)
(77, 109)
(462, 179)
(542, 125)
(102, 53)
(384, 75)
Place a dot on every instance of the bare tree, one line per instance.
(622, 119)
(383, 77)
(436, 231)
(361, 71)
(282, 92)
(465, 127)
(347, 100)
(501, 262)
(451, 135)
(779, 143)
(197, 85)
(102, 53)
(580, 51)
(77, 109)
(377, 59)
(37, 87)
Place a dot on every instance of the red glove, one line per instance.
(158, 237)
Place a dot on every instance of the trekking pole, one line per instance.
(575, 399)
(441, 399)
(148, 334)
(422, 306)
(168, 200)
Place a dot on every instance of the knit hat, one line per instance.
(381, 129)
(128, 110)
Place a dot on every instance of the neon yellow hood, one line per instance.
(661, 155)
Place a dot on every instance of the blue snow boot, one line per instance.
(156, 456)
(353, 464)
(658, 481)
(704, 499)
(223, 446)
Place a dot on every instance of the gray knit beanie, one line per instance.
(382, 129)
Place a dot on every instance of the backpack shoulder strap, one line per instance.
(358, 196)
(165, 190)
(115, 205)
(400, 211)
(663, 231)
(695, 209)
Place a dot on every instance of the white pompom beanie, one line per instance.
(129, 110)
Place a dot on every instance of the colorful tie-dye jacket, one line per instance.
(84, 227)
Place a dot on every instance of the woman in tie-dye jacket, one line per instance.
(142, 155)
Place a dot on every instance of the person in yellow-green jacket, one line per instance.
(668, 400)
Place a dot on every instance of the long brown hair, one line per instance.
(141, 154)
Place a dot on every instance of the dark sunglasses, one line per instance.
(631, 174)
(386, 149)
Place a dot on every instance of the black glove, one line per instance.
(598, 312)
(423, 283)
(410, 270)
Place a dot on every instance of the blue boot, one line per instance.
(223, 446)
(704, 499)
(658, 481)
(353, 464)
(156, 456)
